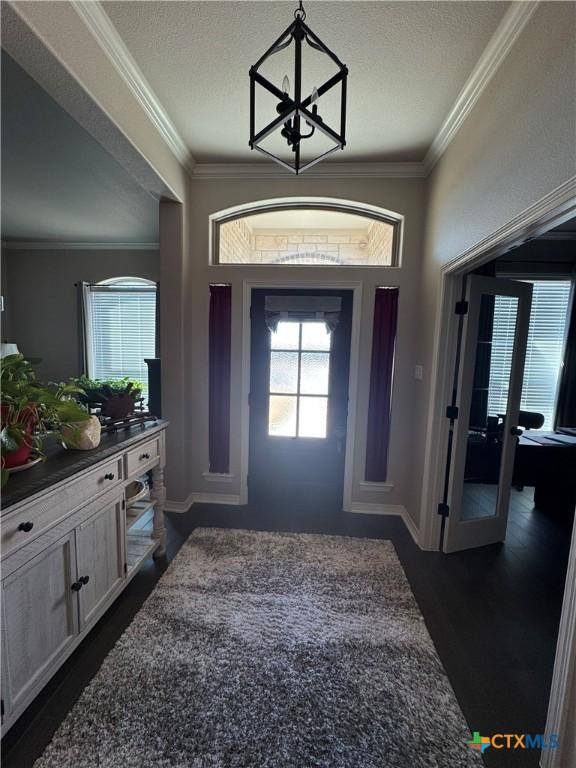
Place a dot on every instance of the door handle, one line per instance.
(516, 431)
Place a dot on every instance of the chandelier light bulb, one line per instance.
(286, 85)
(314, 97)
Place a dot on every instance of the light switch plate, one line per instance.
(418, 372)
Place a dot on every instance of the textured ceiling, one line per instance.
(408, 62)
(58, 183)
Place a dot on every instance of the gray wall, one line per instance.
(41, 301)
(404, 196)
(516, 146)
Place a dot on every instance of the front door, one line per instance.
(486, 425)
(298, 406)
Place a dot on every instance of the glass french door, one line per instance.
(485, 435)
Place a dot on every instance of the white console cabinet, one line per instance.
(68, 552)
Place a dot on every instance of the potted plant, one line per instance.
(30, 410)
(116, 397)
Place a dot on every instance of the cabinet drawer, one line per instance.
(142, 457)
(24, 524)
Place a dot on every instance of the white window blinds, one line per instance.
(122, 329)
(546, 337)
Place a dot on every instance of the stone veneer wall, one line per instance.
(239, 245)
(380, 242)
(235, 242)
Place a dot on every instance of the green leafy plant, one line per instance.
(31, 410)
(97, 390)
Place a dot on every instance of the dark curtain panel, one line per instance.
(566, 409)
(81, 293)
(219, 363)
(383, 343)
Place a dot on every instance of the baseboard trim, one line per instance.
(216, 498)
(179, 506)
(371, 508)
(397, 510)
(411, 525)
(202, 498)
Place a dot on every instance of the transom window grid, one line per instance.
(299, 380)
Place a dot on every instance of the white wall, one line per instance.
(404, 196)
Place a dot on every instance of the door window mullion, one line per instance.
(298, 383)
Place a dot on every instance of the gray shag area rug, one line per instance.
(271, 650)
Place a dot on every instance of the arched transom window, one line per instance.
(293, 233)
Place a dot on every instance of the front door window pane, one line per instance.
(312, 417)
(286, 336)
(282, 416)
(315, 336)
(284, 372)
(314, 373)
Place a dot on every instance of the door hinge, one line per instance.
(452, 412)
(443, 509)
(125, 567)
(123, 503)
(2, 707)
(461, 308)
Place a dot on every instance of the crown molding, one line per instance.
(48, 245)
(324, 171)
(103, 30)
(105, 33)
(506, 34)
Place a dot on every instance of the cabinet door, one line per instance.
(39, 618)
(100, 543)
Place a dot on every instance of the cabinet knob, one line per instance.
(109, 476)
(84, 579)
(26, 527)
(144, 456)
(77, 586)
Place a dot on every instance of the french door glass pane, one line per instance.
(286, 336)
(494, 348)
(546, 334)
(312, 418)
(314, 373)
(284, 372)
(282, 416)
(315, 336)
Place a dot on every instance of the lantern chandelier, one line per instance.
(294, 110)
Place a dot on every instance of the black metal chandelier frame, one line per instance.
(291, 112)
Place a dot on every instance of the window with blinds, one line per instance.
(544, 352)
(122, 329)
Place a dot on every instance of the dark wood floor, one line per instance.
(493, 614)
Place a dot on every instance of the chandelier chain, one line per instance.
(300, 13)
